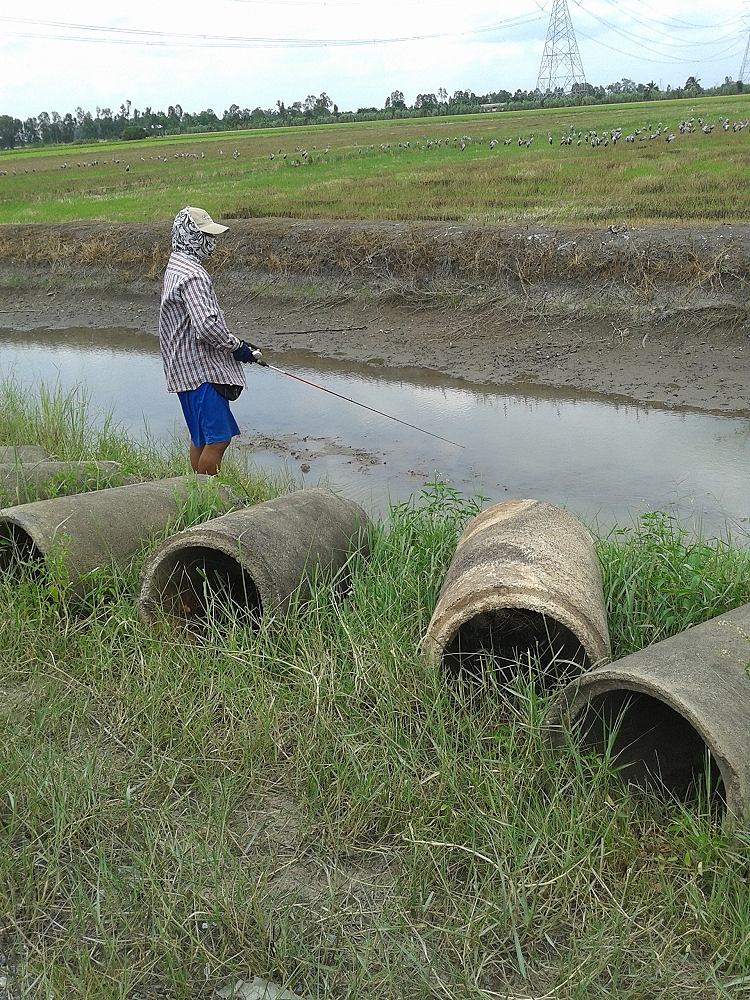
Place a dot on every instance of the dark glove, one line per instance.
(249, 354)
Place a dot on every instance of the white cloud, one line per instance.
(636, 41)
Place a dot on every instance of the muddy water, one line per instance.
(606, 460)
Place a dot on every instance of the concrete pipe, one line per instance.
(90, 530)
(13, 453)
(251, 561)
(672, 714)
(25, 481)
(524, 583)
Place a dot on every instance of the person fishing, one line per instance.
(203, 361)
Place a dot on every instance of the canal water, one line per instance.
(605, 460)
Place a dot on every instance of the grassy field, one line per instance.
(309, 804)
(366, 171)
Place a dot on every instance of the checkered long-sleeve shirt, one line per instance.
(196, 345)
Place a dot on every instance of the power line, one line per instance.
(185, 39)
(671, 35)
(645, 43)
(659, 62)
(676, 20)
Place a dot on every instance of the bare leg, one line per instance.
(211, 455)
(195, 456)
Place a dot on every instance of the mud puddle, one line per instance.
(606, 460)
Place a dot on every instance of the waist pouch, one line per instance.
(230, 392)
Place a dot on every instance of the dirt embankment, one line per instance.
(653, 314)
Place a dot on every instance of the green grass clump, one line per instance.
(385, 170)
(307, 802)
(660, 580)
(61, 421)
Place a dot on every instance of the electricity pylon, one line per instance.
(561, 64)
(744, 76)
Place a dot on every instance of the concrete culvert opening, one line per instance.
(196, 583)
(653, 747)
(495, 642)
(17, 547)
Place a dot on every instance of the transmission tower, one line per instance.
(561, 64)
(744, 76)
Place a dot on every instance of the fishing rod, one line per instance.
(356, 402)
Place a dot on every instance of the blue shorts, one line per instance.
(207, 415)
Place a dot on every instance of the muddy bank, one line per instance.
(652, 315)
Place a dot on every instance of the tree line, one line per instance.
(128, 122)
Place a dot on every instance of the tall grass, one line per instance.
(308, 803)
(62, 422)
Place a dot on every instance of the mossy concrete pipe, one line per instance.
(25, 480)
(252, 560)
(12, 453)
(524, 582)
(663, 708)
(90, 530)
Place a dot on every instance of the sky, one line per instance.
(57, 56)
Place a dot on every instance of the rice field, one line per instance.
(412, 169)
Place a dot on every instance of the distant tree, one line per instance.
(87, 127)
(68, 128)
(45, 127)
(30, 132)
(10, 131)
(425, 102)
(693, 85)
(397, 101)
(133, 132)
(323, 104)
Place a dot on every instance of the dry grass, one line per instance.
(414, 259)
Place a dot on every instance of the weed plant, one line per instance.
(307, 802)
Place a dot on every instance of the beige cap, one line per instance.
(204, 222)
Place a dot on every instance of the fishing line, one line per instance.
(364, 406)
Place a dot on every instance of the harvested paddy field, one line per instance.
(562, 166)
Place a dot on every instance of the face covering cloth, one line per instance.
(187, 238)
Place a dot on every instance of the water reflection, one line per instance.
(605, 460)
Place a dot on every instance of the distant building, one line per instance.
(494, 107)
